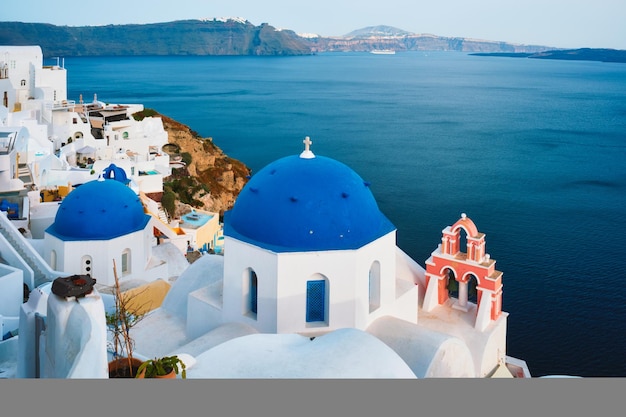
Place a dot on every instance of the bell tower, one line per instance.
(449, 261)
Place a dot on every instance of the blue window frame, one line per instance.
(253, 292)
(316, 301)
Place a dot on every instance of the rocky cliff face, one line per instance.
(183, 37)
(211, 180)
(416, 42)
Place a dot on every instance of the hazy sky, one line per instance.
(558, 23)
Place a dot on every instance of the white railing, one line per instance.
(59, 105)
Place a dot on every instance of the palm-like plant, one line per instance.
(125, 316)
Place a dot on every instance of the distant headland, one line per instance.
(582, 54)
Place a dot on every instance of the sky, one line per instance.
(555, 23)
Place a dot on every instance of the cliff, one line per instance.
(210, 179)
(184, 37)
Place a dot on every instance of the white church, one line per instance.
(311, 284)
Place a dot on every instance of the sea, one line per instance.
(533, 151)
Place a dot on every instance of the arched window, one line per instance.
(453, 284)
(472, 292)
(374, 286)
(463, 241)
(253, 292)
(53, 259)
(126, 262)
(316, 301)
(250, 293)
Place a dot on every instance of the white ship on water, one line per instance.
(383, 52)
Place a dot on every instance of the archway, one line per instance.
(452, 284)
(250, 293)
(472, 291)
(467, 290)
(374, 286)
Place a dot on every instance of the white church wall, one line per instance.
(348, 273)
(282, 282)
(71, 257)
(242, 256)
(493, 351)
(338, 268)
(406, 304)
(396, 298)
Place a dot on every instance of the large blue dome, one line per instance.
(300, 204)
(99, 210)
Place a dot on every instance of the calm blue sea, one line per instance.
(534, 151)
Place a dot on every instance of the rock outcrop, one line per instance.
(213, 178)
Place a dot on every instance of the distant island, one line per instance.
(582, 54)
(228, 37)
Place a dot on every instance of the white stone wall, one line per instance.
(282, 280)
(70, 254)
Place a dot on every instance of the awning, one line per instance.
(86, 150)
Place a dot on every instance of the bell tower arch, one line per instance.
(469, 263)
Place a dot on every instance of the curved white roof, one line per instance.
(344, 353)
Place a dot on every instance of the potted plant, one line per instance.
(125, 316)
(165, 367)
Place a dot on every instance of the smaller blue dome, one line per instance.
(298, 204)
(99, 210)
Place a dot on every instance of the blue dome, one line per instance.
(297, 204)
(99, 210)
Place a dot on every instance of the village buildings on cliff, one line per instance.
(310, 282)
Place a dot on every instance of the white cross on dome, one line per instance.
(307, 153)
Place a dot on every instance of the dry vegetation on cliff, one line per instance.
(210, 180)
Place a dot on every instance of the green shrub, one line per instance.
(186, 156)
(168, 202)
(140, 115)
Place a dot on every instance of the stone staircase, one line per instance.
(24, 174)
(163, 215)
(42, 271)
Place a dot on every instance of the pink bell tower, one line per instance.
(474, 263)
